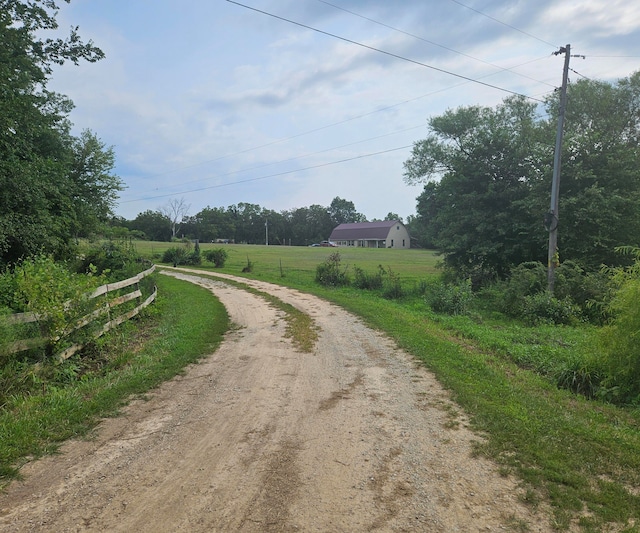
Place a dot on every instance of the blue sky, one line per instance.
(218, 104)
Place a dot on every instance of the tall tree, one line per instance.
(479, 163)
(42, 201)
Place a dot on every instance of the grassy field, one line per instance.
(298, 262)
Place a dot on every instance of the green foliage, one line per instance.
(217, 256)
(331, 273)
(181, 255)
(392, 285)
(54, 187)
(620, 339)
(542, 308)
(116, 261)
(449, 298)
(524, 294)
(364, 280)
(57, 296)
(486, 173)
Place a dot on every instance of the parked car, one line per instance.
(328, 243)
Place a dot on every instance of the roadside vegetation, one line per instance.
(43, 403)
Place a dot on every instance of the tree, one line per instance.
(94, 188)
(479, 164)
(43, 201)
(154, 224)
(343, 211)
(488, 180)
(176, 211)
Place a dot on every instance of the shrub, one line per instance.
(56, 295)
(542, 308)
(366, 281)
(392, 287)
(180, 255)
(218, 257)
(330, 273)
(450, 298)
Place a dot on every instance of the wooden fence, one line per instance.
(103, 309)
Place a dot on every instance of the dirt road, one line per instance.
(260, 437)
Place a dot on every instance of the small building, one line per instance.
(383, 234)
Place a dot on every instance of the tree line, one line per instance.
(243, 223)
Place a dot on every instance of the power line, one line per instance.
(505, 24)
(312, 167)
(390, 54)
(265, 165)
(431, 42)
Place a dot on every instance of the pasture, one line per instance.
(299, 262)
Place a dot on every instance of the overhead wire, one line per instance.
(284, 173)
(288, 160)
(504, 23)
(379, 50)
(356, 117)
(431, 42)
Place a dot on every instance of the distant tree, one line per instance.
(393, 216)
(343, 211)
(176, 210)
(154, 224)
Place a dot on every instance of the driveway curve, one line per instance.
(259, 437)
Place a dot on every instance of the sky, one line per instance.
(291, 103)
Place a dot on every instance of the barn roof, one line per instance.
(363, 230)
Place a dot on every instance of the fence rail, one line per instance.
(104, 309)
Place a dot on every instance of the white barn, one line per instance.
(384, 234)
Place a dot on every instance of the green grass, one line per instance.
(128, 362)
(296, 262)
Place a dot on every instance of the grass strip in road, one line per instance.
(186, 323)
(300, 327)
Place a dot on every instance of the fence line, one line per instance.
(26, 318)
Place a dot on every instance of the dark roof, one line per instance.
(363, 230)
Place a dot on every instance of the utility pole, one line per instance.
(266, 232)
(551, 219)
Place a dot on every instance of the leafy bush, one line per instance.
(53, 292)
(580, 377)
(115, 260)
(450, 298)
(542, 308)
(330, 273)
(366, 281)
(217, 256)
(392, 286)
(181, 255)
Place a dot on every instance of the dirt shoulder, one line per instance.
(260, 437)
